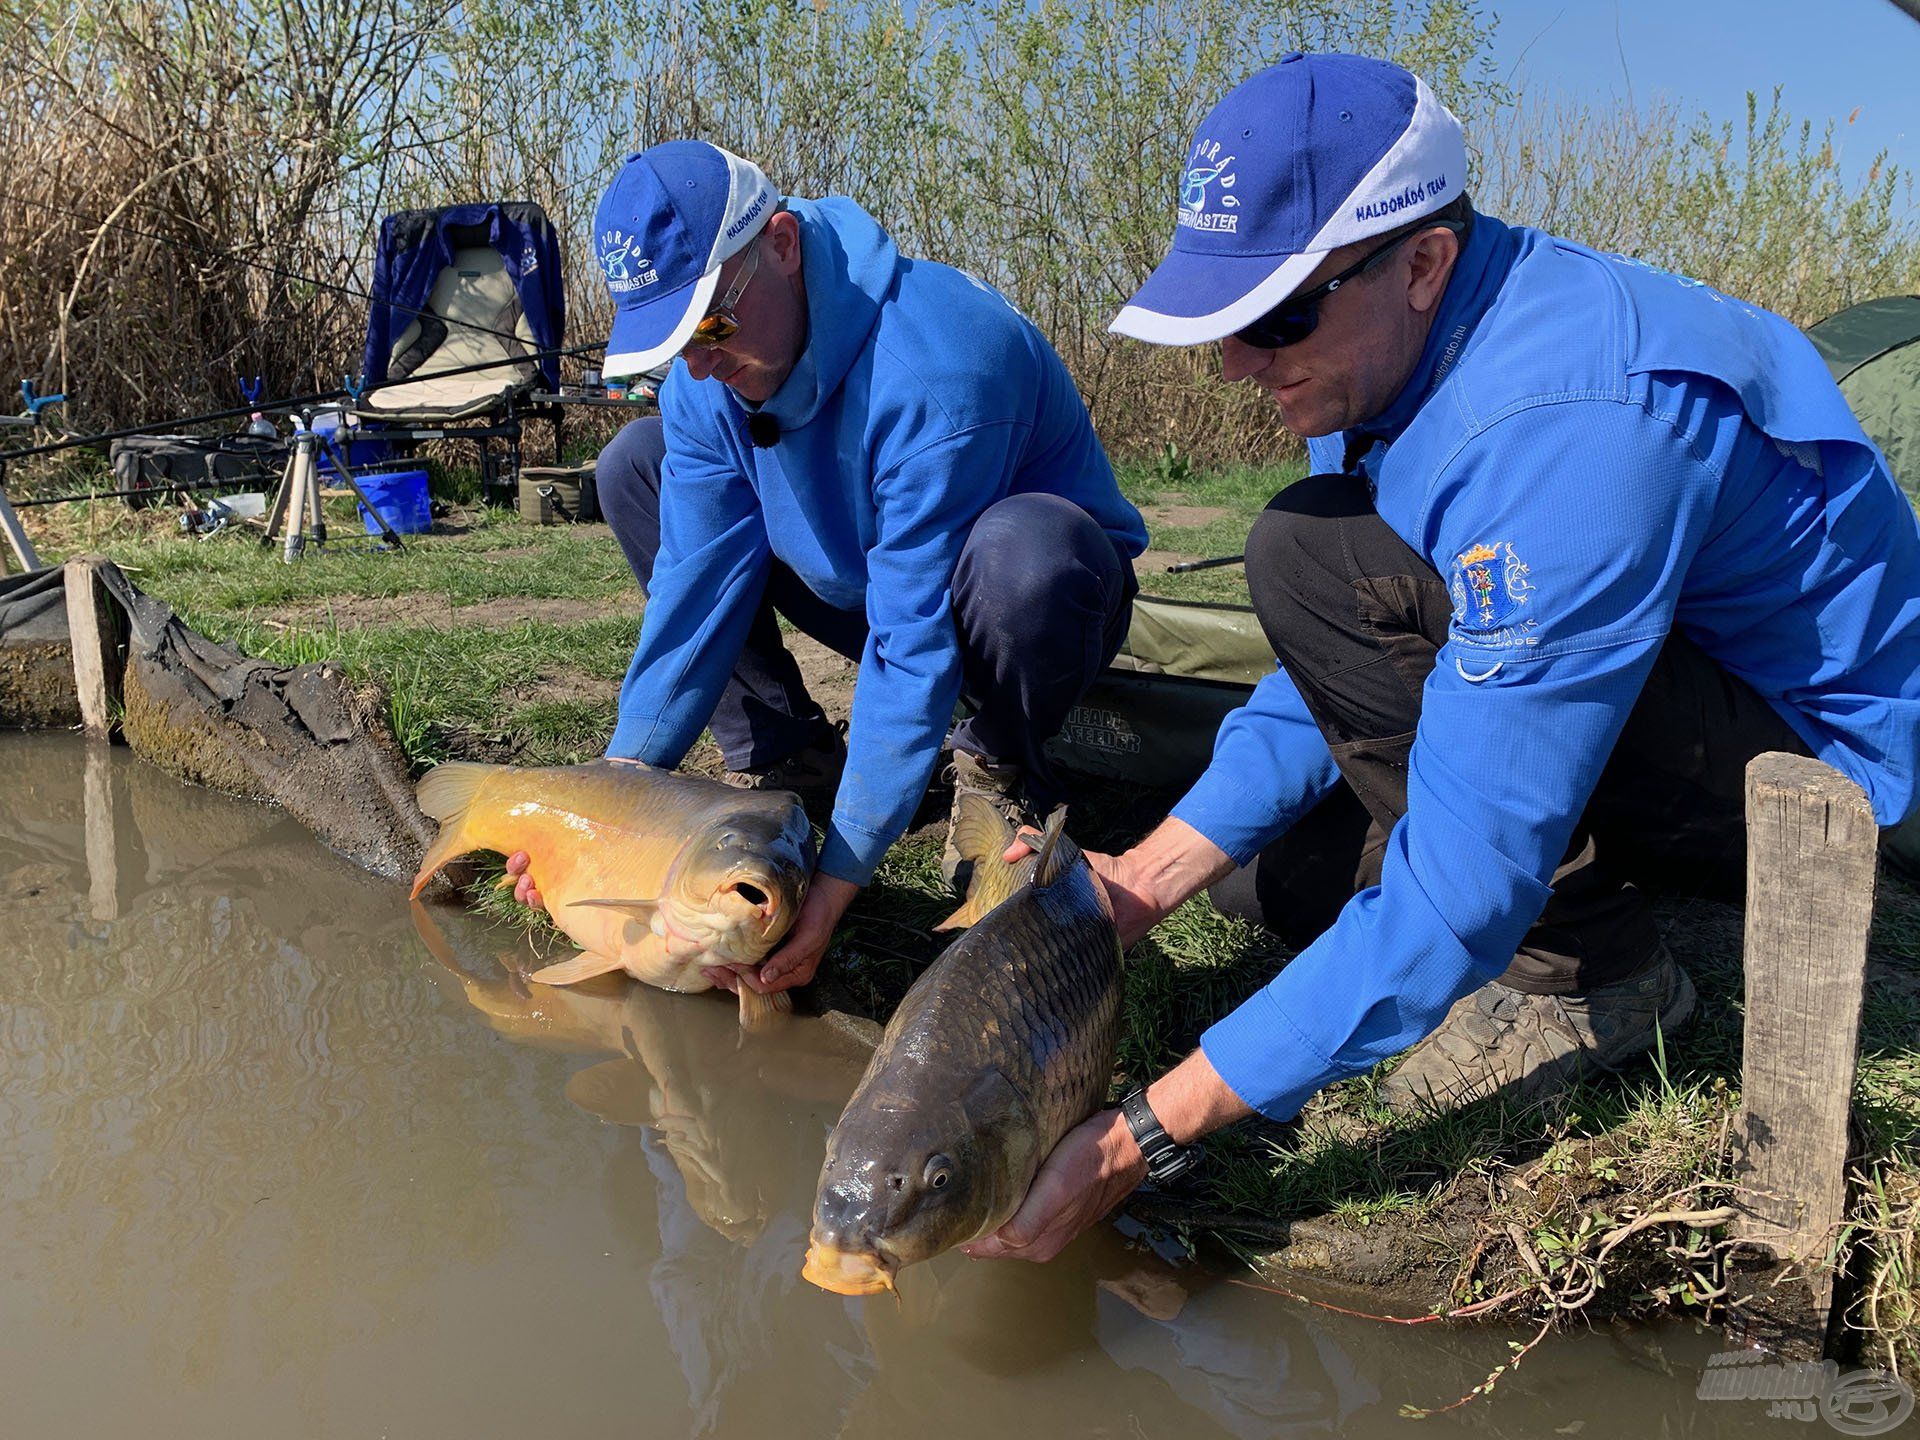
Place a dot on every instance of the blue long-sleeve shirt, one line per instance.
(921, 399)
(1590, 453)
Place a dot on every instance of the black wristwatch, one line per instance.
(1166, 1158)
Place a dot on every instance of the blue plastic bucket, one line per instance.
(399, 495)
(364, 447)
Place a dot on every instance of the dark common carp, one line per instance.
(1003, 1045)
(649, 872)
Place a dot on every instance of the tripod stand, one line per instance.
(297, 500)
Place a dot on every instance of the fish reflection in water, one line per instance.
(730, 1128)
(720, 1108)
(732, 1134)
(249, 1150)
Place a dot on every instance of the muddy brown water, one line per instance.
(276, 1161)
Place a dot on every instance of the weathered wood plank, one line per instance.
(93, 629)
(102, 833)
(1811, 844)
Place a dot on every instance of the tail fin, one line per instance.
(759, 1012)
(446, 793)
(981, 835)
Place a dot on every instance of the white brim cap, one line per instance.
(1324, 151)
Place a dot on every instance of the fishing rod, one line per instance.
(1186, 566)
(294, 402)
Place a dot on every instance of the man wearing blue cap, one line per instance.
(1583, 539)
(883, 451)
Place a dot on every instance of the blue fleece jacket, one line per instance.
(1591, 452)
(921, 399)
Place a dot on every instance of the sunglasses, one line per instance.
(720, 324)
(1294, 318)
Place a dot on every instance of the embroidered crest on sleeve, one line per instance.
(1492, 596)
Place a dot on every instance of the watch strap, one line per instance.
(1165, 1156)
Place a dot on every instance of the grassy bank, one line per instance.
(498, 640)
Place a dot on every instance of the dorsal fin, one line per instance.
(1057, 853)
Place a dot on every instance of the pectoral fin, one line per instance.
(981, 836)
(583, 966)
(618, 1091)
(760, 1012)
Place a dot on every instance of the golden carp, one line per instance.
(648, 872)
(1003, 1045)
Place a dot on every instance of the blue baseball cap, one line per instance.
(672, 216)
(1312, 153)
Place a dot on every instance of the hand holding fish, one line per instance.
(663, 876)
(799, 956)
(524, 890)
(1149, 882)
(1095, 1166)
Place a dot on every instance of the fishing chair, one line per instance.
(455, 288)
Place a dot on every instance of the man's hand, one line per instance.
(1150, 881)
(524, 890)
(1095, 1166)
(799, 955)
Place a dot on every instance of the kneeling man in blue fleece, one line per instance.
(1581, 539)
(886, 453)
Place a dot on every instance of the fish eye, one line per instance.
(939, 1172)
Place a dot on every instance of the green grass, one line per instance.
(1242, 491)
(1243, 488)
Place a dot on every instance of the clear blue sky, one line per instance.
(1831, 55)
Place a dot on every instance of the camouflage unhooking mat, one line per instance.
(305, 737)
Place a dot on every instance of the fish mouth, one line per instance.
(758, 892)
(766, 891)
(848, 1272)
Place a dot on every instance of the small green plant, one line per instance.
(1172, 467)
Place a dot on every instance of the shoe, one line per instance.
(812, 773)
(1525, 1048)
(1001, 785)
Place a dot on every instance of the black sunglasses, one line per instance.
(1293, 319)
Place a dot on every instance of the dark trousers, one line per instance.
(1041, 601)
(1357, 617)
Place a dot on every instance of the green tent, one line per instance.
(1873, 349)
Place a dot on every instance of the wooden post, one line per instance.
(93, 629)
(102, 832)
(1811, 843)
